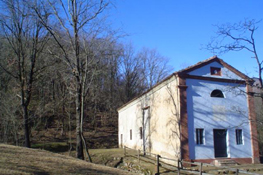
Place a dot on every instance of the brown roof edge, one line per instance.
(197, 65)
(191, 68)
(210, 60)
(245, 77)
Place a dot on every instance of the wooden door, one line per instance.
(220, 145)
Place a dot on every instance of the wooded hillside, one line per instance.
(63, 68)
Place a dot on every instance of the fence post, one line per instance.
(124, 149)
(237, 171)
(157, 164)
(201, 168)
(178, 167)
(139, 156)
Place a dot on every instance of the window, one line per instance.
(217, 93)
(140, 132)
(131, 134)
(215, 71)
(239, 137)
(199, 136)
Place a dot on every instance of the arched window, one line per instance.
(217, 93)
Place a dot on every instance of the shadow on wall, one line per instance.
(143, 123)
(174, 121)
(209, 112)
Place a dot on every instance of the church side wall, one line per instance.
(161, 106)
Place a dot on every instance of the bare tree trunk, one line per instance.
(15, 132)
(79, 13)
(86, 148)
(79, 144)
(25, 113)
(81, 124)
(26, 127)
(5, 133)
(69, 129)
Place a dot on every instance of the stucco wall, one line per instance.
(203, 111)
(162, 103)
(211, 113)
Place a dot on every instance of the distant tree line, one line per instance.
(59, 58)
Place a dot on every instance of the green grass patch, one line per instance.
(52, 146)
(106, 156)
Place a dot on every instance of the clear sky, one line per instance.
(179, 28)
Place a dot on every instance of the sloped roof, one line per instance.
(210, 60)
(191, 68)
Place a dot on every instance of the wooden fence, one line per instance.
(179, 165)
(156, 160)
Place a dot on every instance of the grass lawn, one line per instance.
(24, 161)
(102, 156)
(55, 147)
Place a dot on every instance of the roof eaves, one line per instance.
(242, 75)
(198, 65)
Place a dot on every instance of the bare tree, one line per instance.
(141, 71)
(237, 37)
(10, 124)
(131, 73)
(154, 65)
(75, 19)
(104, 91)
(26, 37)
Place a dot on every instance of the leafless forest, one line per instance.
(63, 66)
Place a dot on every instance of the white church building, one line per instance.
(201, 113)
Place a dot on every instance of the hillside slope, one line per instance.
(19, 160)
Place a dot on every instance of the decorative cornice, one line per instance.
(225, 80)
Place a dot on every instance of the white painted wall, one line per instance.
(163, 127)
(204, 111)
(131, 119)
(211, 113)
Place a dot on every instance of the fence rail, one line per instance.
(156, 159)
(178, 164)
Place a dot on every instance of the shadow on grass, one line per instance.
(56, 147)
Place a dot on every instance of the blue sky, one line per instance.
(178, 29)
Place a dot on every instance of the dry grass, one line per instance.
(23, 161)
